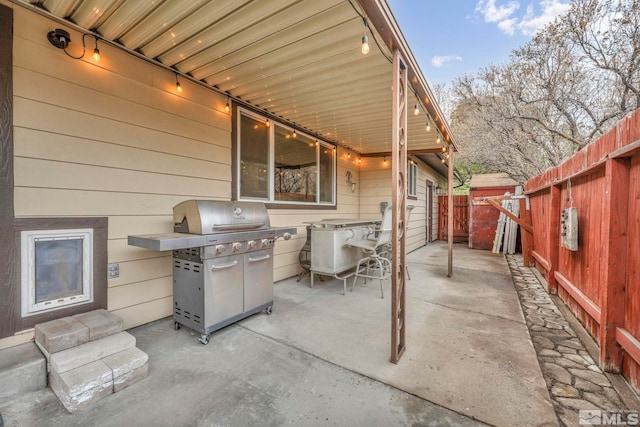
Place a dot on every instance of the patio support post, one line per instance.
(399, 202)
(450, 214)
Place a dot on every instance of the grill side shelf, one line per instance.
(167, 241)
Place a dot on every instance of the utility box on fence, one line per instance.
(569, 232)
(483, 218)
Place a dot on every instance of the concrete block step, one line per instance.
(60, 334)
(91, 351)
(22, 369)
(68, 332)
(82, 386)
(101, 323)
(128, 367)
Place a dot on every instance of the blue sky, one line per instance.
(456, 37)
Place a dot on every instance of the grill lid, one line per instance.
(217, 216)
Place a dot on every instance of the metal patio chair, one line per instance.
(374, 265)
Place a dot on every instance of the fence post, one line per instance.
(554, 238)
(525, 237)
(613, 261)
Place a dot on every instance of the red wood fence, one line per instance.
(460, 218)
(600, 282)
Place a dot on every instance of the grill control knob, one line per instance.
(287, 236)
(237, 246)
(219, 249)
(251, 244)
(265, 243)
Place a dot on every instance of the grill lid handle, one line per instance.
(248, 225)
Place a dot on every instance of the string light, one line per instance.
(416, 110)
(96, 52)
(348, 153)
(438, 140)
(226, 107)
(365, 39)
(295, 135)
(178, 87)
(428, 124)
(444, 149)
(384, 162)
(442, 160)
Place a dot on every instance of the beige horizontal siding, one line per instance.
(114, 140)
(143, 270)
(146, 312)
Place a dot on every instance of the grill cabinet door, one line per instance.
(223, 280)
(188, 298)
(258, 279)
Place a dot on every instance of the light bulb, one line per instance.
(349, 154)
(178, 87)
(444, 149)
(442, 160)
(365, 44)
(295, 135)
(438, 139)
(416, 110)
(96, 54)
(267, 122)
(428, 125)
(384, 162)
(226, 107)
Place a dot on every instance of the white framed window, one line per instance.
(412, 178)
(279, 164)
(56, 269)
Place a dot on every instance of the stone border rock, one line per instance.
(573, 378)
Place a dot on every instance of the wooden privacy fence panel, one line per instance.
(632, 303)
(600, 282)
(460, 218)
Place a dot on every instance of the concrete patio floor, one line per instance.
(322, 358)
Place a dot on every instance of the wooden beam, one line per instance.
(583, 301)
(629, 343)
(543, 262)
(409, 152)
(519, 221)
(613, 261)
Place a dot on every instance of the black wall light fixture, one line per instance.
(61, 39)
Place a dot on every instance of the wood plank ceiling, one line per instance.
(297, 59)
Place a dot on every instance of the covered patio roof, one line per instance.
(296, 60)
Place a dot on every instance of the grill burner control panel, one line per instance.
(224, 249)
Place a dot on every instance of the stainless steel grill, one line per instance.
(222, 262)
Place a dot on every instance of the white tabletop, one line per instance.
(343, 222)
